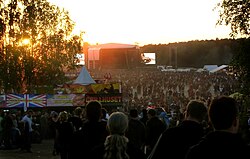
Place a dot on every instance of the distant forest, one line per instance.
(194, 53)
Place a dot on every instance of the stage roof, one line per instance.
(113, 46)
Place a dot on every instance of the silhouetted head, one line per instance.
(196, 110)
(223, 113)
(94, 110)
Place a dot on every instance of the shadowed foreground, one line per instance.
(41, 151)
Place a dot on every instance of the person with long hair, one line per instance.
(117, 145)
(64, 132)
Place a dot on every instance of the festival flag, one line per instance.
(26, 100)
(15, 100)
(33, 100)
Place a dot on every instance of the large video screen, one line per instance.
(149, 58)
(81, 58)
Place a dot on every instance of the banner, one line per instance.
(26, 100)
(66, 100)
(74, 89)
(90, 89)
(105, 99)
(111, 88)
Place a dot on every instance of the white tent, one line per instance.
(84, 77)
(219, 68)
(209, 67)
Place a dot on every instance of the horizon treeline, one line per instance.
(194, 53)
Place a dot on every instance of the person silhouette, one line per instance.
(117, 145)
(224, 141)
(186, 134)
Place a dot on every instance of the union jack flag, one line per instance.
(26, 100)
(15, 100)
(33, 100)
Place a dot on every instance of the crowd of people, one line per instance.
(172, 114)
(170, 90)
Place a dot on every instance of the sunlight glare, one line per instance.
(145, 21)
(25, 42)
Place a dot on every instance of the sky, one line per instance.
(145, 22)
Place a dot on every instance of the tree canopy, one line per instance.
(236, 14)
(37, 45)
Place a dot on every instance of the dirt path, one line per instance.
(39, 151)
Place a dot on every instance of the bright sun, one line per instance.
(25, 42)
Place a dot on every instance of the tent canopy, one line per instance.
(209, 67)
(219, 68)
(84, 77)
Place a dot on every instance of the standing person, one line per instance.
(117, 146)
(176, 141)
(27, 131)
(7, 125)
(92, 133)
(44, 125)
(224, 141)
(52, 123)
(154, 128)
(1, 127)
(105, 114)
(64, 132)
(76, 119)
(136, 132)
(144, 117)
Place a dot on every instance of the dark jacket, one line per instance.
(136, 133)
(84, 140)
(154, 128)
(63, 136)
(176, 141)
(219, 145)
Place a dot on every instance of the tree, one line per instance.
(50, 50)
(236, 13)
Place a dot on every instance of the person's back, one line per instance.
(92, 133)
(154, 128)
(64, 132)
(27, 136)
(117, 145)
(144, 117)
(136, 132)
(224, 141)
(176, 141)
(76, 119)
